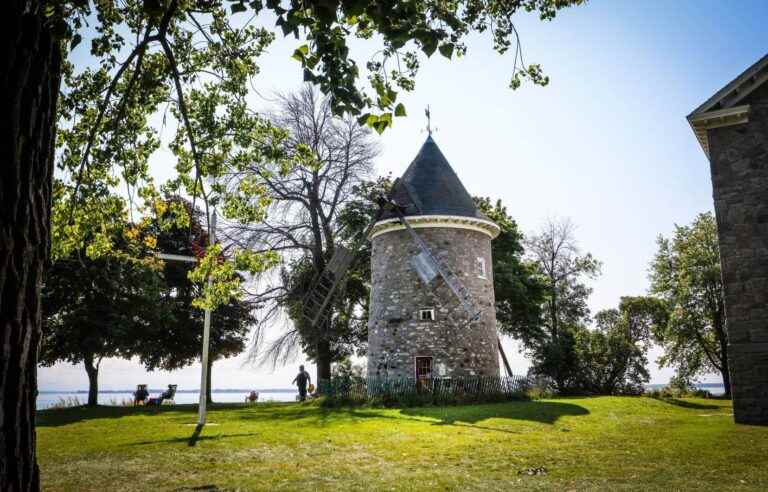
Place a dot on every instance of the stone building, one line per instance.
(732, 127)
(412, 332)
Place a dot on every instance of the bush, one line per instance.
(675, 391)
(68, 402)
(408, 392)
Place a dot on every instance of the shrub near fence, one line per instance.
(406, 392)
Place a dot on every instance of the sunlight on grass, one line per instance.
(607, 442)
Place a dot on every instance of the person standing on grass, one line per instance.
(301, 381)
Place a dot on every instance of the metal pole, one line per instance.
(206, 338)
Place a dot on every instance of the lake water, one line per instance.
(716, 389)
(46, 399)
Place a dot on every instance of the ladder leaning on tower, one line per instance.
(317, 301)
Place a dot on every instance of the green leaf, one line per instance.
(429, 46)
(400, 110)
(380, 126)
(76, 39)
(238, 7)
(300, 53)
(446, 50)
(363, 120)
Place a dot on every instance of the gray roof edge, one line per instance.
(754, 69)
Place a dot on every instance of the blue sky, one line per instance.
(605, 144)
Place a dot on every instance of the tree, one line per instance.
(30, 62)
(95, 309)
(685, 273)
(563, 268)
(304, 224)
(518, 287)
(174, 340)
(34, 33)
(612, 358)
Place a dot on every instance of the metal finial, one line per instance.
(429, 120)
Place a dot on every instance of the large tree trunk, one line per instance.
(93, 381)
(725, 371)
(722, 339)
(30, 68)
(726, 379)
(323, 360)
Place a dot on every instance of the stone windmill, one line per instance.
(432, 301)
(432, 310)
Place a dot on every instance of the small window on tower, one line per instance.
(481, 267)
(427, 314)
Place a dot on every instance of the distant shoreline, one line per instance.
(236, 390)
(291, 390)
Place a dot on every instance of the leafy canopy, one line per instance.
(685, 273)
(518, 287)
(188, 65)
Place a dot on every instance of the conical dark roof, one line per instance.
(431, 187)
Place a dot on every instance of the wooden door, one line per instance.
(423, 368)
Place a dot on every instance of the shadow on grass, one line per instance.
(545, 412)
(195, 435)
(55, 417)
(70, 415)
(466, 416)
(688, 404)
(193, 440)
(202, 488)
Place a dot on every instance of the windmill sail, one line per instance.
(426, 268)
(316, 304)
(425, 263)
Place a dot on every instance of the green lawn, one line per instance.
(582, 443)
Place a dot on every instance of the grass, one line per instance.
(560, 444)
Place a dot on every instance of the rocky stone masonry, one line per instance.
(395, 334)
(739, 164)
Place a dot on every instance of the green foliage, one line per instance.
(685, 274)
(193, 59)
(125, 303)
(316, 207)
(609, 359)
(175, 340)
(518, 286)
(179, 65)
(95, 305)
(678, 388)
(405, 30)
(347, 388)
(347, 330)
(611, 362)
(93, 308)
(563, 271)
(400, 32)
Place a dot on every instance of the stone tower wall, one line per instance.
(739, 164)
(395, 334)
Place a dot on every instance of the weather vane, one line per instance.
(429, 120)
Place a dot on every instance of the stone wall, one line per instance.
(739, 164)
(396, 336)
